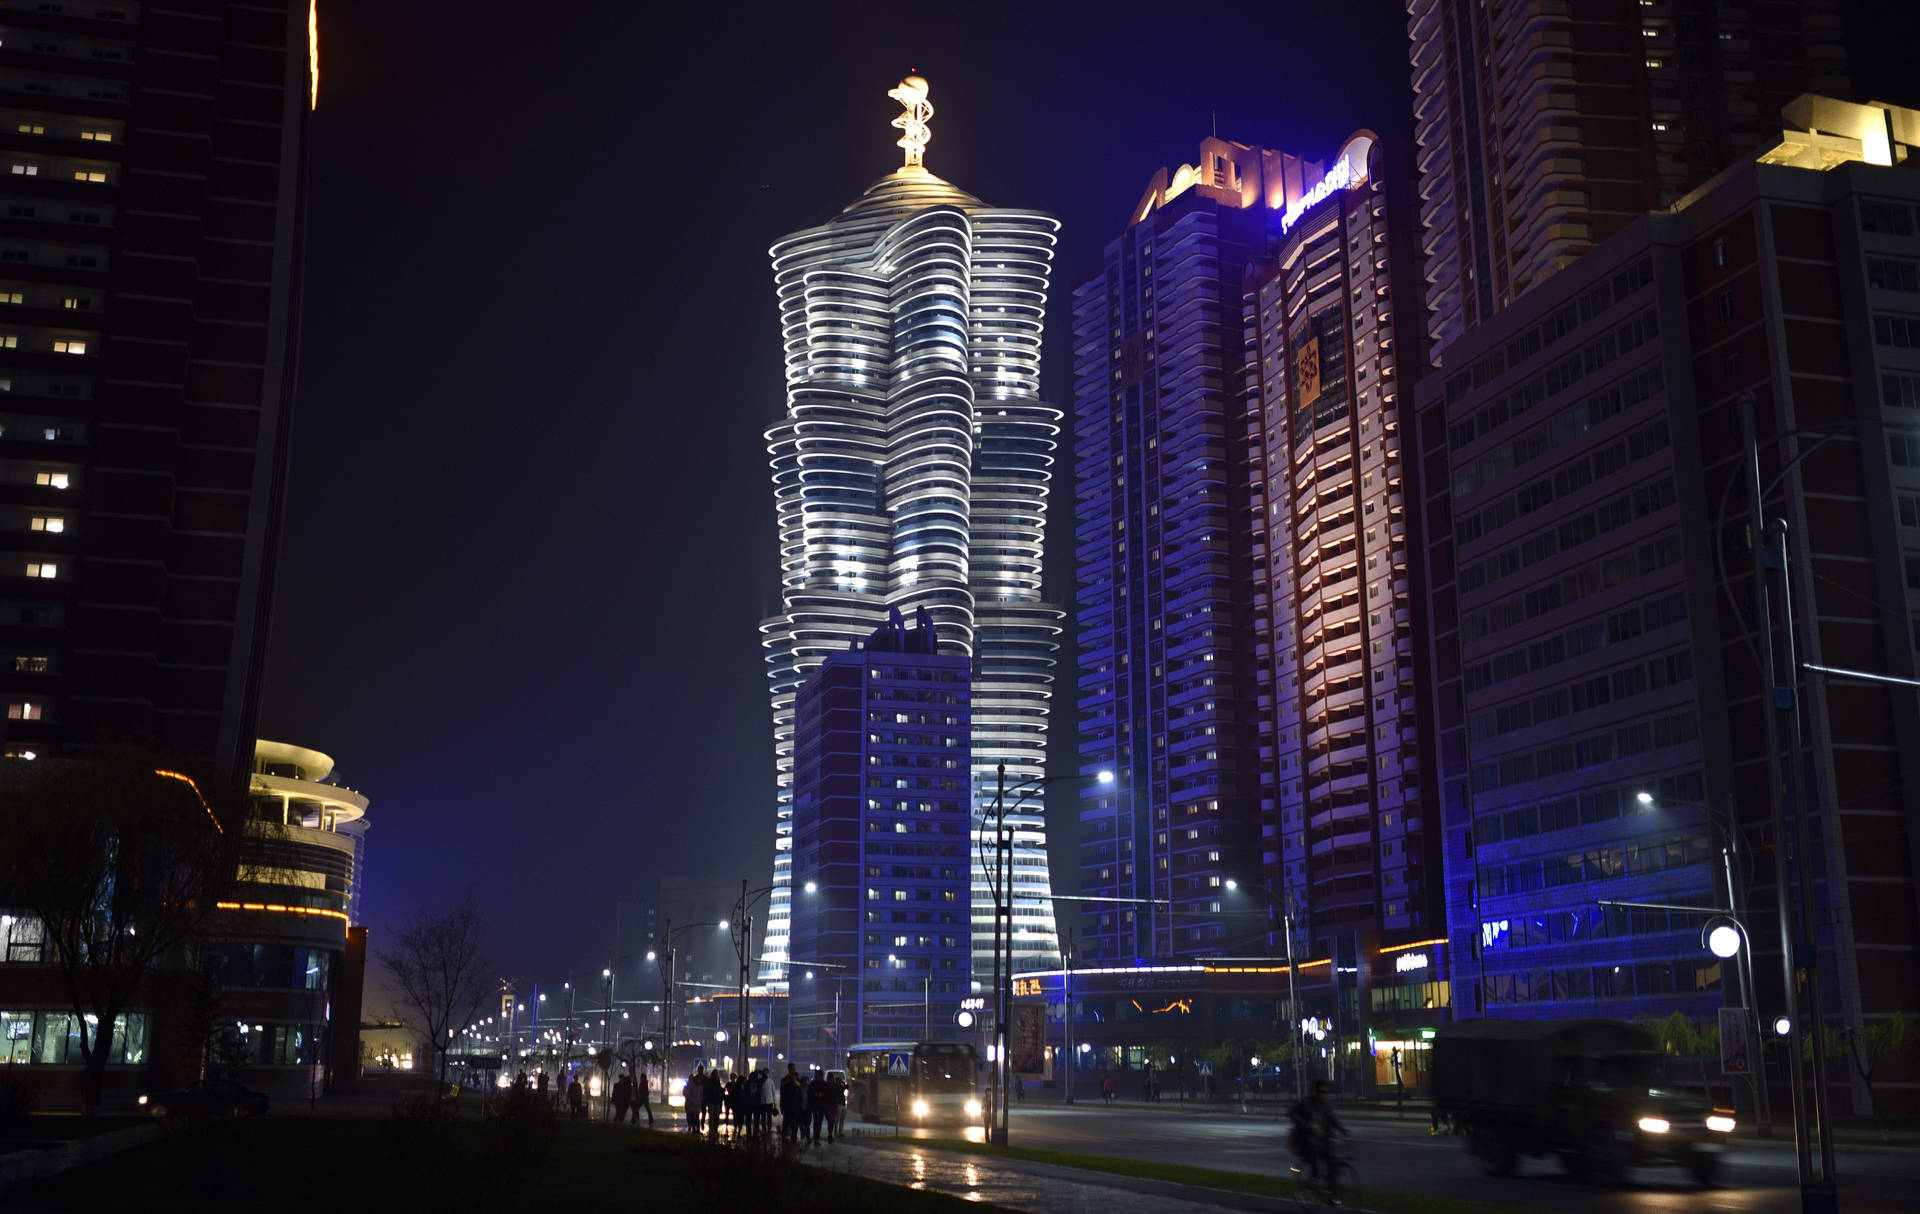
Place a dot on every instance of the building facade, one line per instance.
(1598, 689)
(1350, 838)
(882, 938)
(1546, 127)
(277, 954)
(910, 473)
(150, 257)
(1163, 600)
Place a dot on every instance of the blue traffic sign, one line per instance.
(898, 1064)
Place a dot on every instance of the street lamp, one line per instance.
(742, 929)
(1733, 935)
(1000, 884)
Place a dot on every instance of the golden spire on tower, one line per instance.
(914, 135)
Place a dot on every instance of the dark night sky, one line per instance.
(530, 532)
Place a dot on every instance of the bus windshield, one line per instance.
(945, 1068)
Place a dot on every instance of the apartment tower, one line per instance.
(1350, 836)
(150, 254)
(910, 474)
(1544, 127)
(1605, 770)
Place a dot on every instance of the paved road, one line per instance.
(1758, 1179)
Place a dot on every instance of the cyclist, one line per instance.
(1314, 1125)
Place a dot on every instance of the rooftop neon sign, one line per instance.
(1342, 176)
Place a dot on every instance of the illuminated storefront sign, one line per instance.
(1407, 962)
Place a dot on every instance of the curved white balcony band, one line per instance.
(911, 326)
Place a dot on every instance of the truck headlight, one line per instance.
(1654, 1125)
(1720, 1124)
(973, 1108)
(919, 1108)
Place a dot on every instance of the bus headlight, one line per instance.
(973, 1108)
(1654, 1125)
(919, 1108)
(1723, 1125)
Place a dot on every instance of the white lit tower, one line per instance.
(910, 471)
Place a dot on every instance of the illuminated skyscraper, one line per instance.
(910, 472)
(1546, 127)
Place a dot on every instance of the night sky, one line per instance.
(530, 532)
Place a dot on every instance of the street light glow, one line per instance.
(1723, 941)
(812, 888)
(649, 954)
(1232, 884)
(1782, 1027)
(1645, 798)
(1105, 777)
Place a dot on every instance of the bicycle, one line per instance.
(1340, 1189)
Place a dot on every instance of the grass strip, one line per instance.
(1387, 1201)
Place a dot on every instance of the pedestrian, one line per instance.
(622, 1094)
(769, 1100)
(836, 1102)
(1106, 1088)
(520, 1082)
(817, 1104)
(793, 1104)
(576, 1100)
(712, 1103)
(541, 1085)
(696, 1091)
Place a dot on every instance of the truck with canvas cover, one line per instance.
(1587, 1091)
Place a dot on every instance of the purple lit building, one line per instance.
(1591, 591)
(882, 931)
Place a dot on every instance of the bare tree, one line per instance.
(439, 975)
(119, 862)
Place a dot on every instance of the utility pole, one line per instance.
(1066, 1005)
(1799, 979)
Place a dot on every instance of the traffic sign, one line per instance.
(1203, 1068)
(897, 1064)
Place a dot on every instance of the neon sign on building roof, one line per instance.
(1342, 176)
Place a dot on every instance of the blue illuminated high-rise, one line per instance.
(1163, 567)
(882, 937)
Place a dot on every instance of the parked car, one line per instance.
(208, 1098)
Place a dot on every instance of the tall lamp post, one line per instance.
(742, 927)
(1742, 953)
(1000, 884)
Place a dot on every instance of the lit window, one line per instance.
(12, 297)
(88, 175)
(23, 710)
(31, 663)
(69, 347)
(73, 302)
(26, 170)
(97, 136)
(9, 341)
(32, 128)
(53, 480)
(42, 569)
(52, 522)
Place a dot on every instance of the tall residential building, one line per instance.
(1544, 127)
(882, 813)
(1591, 575)
(1349, 832)
(1162, 560)
(910, 472)
(150, 258)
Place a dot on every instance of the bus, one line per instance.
(914, 1082)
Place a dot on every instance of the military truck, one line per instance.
(1587, 1091)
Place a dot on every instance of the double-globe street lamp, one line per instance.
(742, 928)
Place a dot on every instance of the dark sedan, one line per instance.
(208, 1098)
